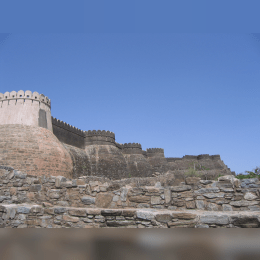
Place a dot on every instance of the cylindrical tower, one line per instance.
(137, 163)
(105, 156)
(27, 142)
(25, 108)
(157, 159)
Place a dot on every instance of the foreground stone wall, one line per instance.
(26, 216)
(163, 192)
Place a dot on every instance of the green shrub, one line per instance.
(191, 173)
(249, 174)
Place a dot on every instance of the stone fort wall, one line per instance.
(35, 142)
(56, 201)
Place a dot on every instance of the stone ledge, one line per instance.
(33, 215)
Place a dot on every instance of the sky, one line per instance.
(178, 75)
(189, 93)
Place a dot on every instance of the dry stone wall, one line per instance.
(227, 194)
(55, 201)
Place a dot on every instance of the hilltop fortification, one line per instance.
(34, 142)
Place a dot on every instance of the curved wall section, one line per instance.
(34, 150)
(107, 161)
(81, 163)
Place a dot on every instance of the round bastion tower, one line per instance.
(27, 142)
(106, 159)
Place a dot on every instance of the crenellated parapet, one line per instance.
(99, 137)
(67, 127)
(25, 108)
(132, 148)
(155, 152)
(23, 97)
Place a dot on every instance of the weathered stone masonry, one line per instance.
(33, 141)
(55, 201)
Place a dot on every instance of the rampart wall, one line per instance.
(49, 201)
(68, 134)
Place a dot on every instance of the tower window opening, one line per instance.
(20, 95)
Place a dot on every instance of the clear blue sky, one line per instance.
(187, 93)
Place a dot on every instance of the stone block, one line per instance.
(245, 221)
(87, 200)
(182, 224)
(167, 196)
(200, 204)
(226, 207)
(190, 204)
(183, 215)
(139, 199)
(60, 210)
(111, 212)
(103, 200)
(70, 219)
(164, 218)
(155, 200)
(206, 190)
(78, 212)
(23, 210)
(243, 203)
(213, 195)
(181, 188)
(250, 196)
(214, 219)
(128, 213)
(178, 203)
(147, 215)
(119, 223)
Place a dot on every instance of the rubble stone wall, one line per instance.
(227, 194)
(31, 216)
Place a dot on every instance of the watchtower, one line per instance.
(25, 108)
(27, 141)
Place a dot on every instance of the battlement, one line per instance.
(104, 133)
(100, 137)
(67, 127)
(155, 152)
(23, 97)
(132, 148)
(194, 157)
(132, 145)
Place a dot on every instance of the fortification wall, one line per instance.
(25, 108)
(68, 134)
(34, 150)
(107, 160)
(204, 162)
(157, 160)
(99, 137)
(137, 163)
(49, 201)
(81, 162)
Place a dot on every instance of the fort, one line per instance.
(53, 174)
